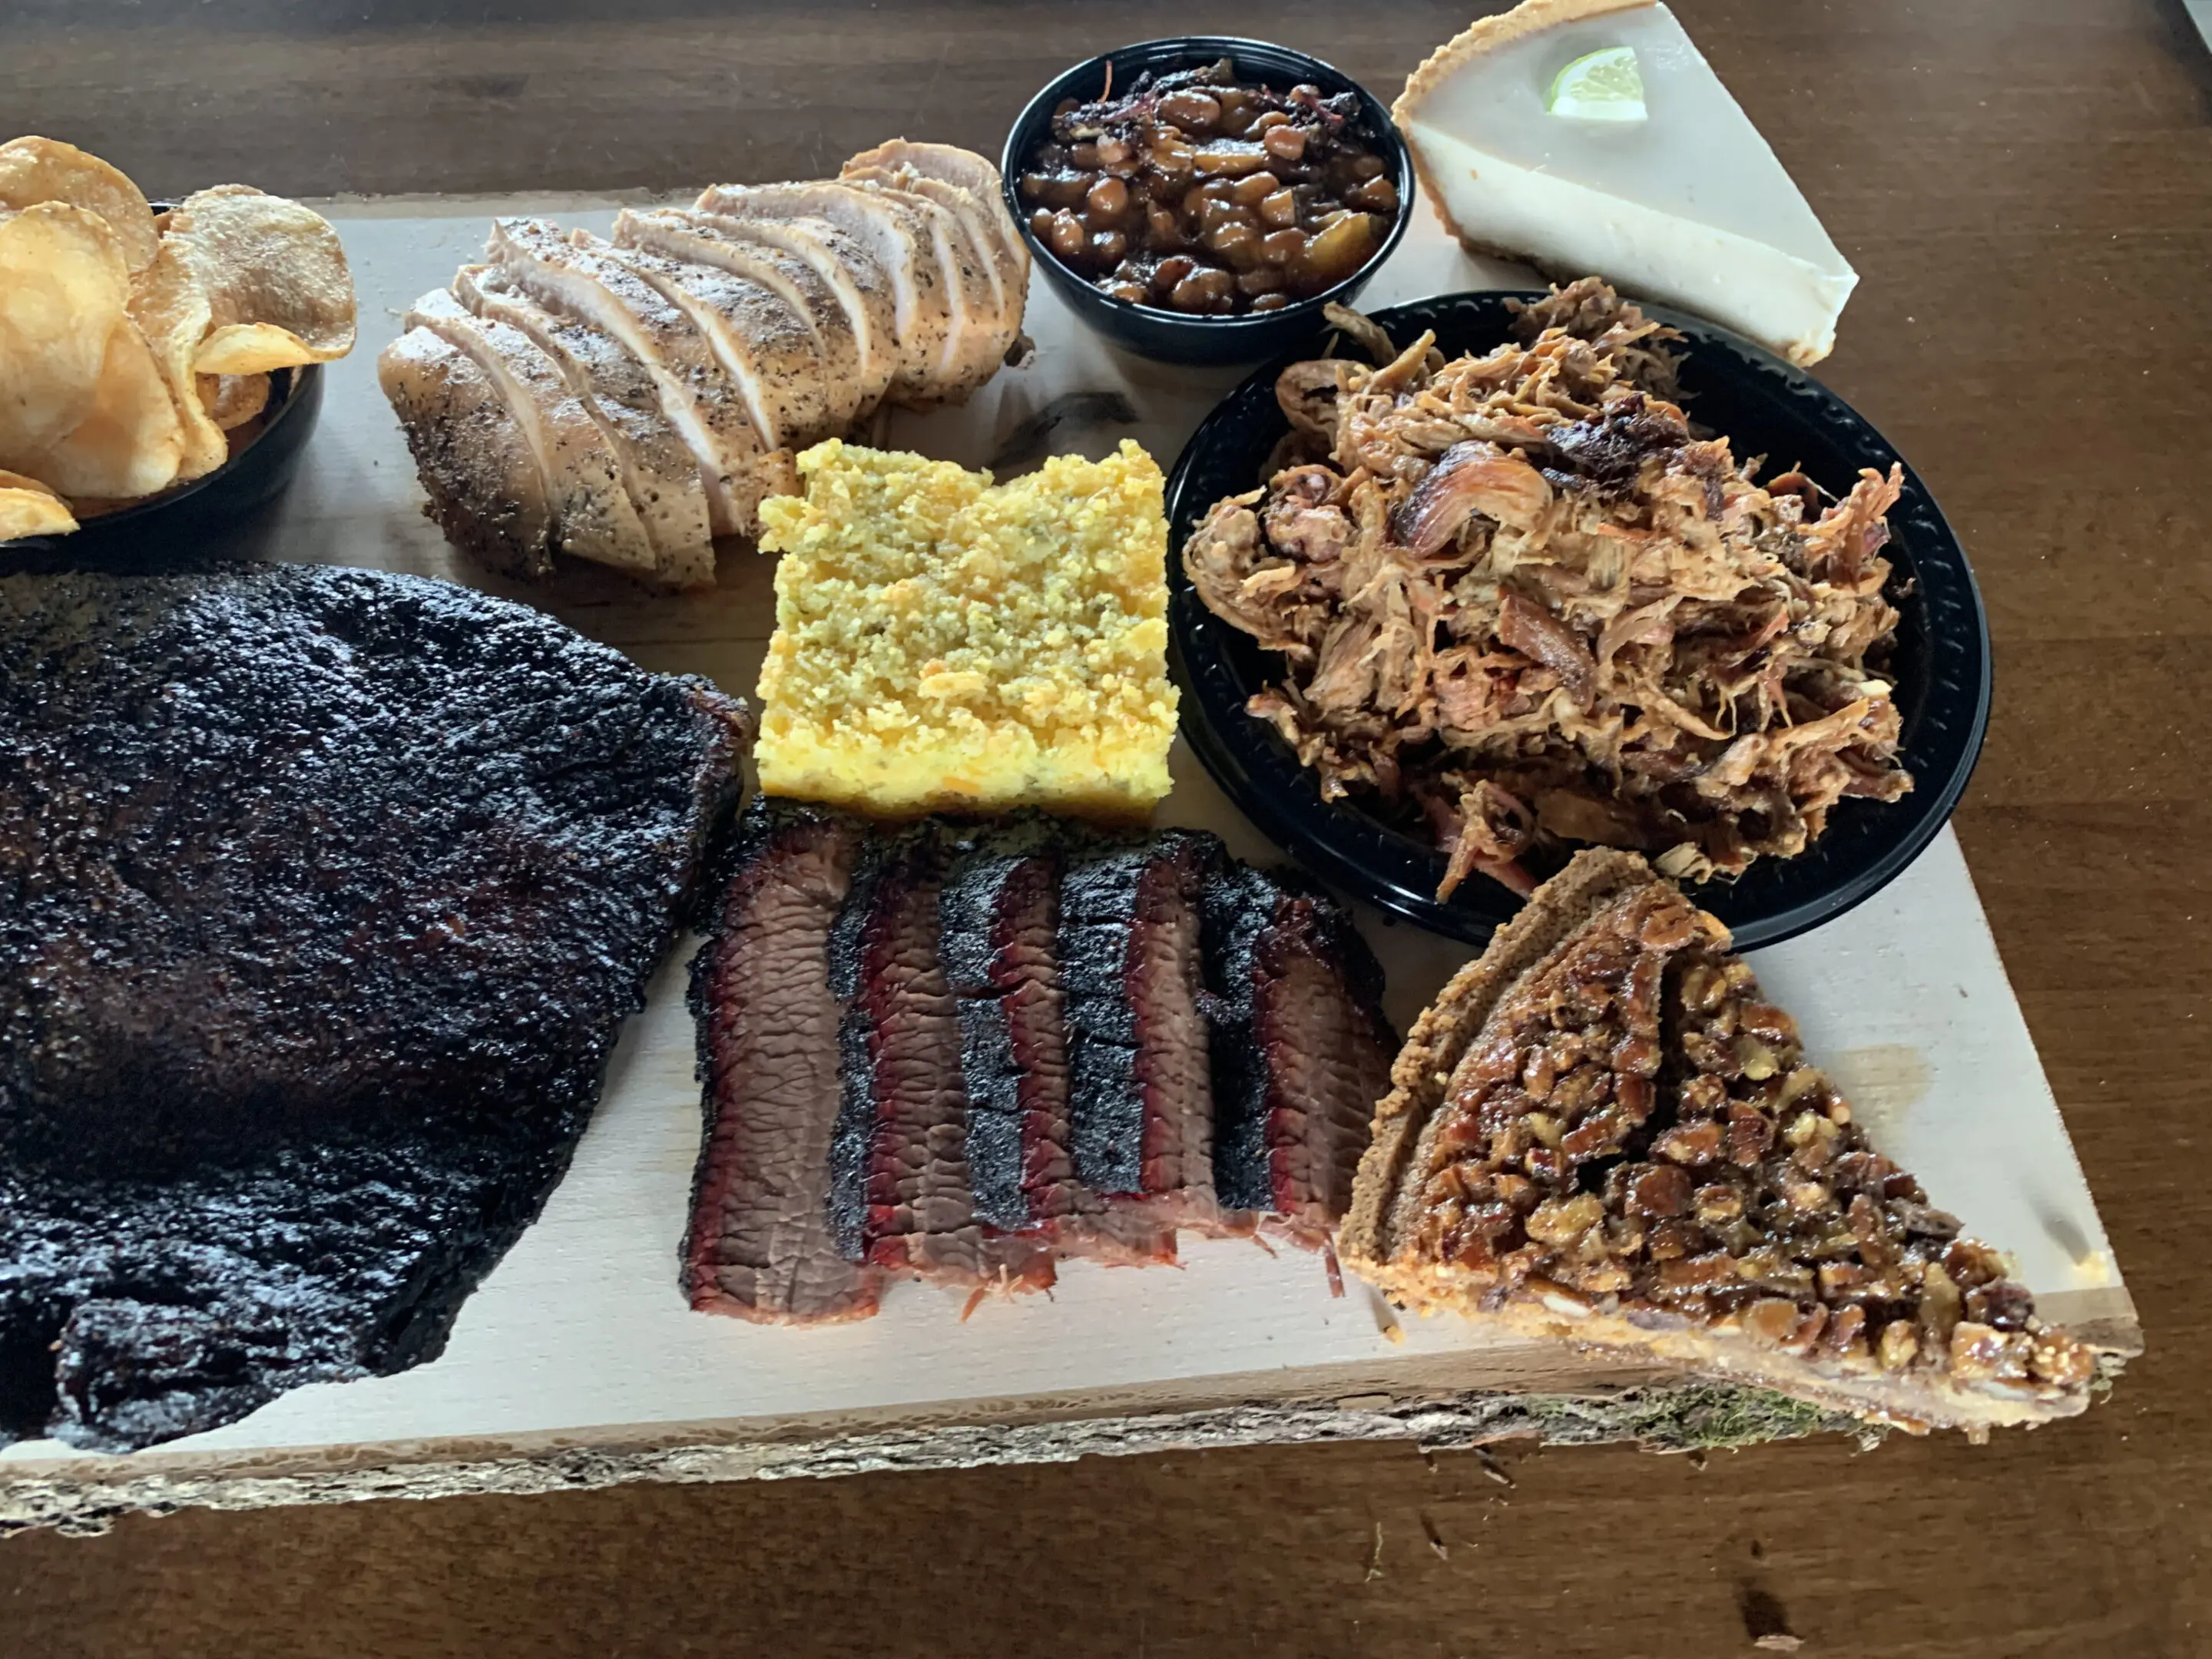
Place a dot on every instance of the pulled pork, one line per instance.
(1520, 604)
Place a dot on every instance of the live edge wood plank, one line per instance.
(2021, 184)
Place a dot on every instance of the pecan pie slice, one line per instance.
(1602, 1131)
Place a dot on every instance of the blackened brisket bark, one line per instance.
(323, 895)
(761, 1243)
(904, 1197)
(1130, 936)
(999, 915)
(1000, 918)
(1301, 1049)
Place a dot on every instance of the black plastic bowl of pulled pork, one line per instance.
(1927, 669)
(1201, 199)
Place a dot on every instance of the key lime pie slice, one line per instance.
(1590, 137)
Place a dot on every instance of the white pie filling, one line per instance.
(1688, 207)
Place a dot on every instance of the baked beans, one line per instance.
(1201, 192)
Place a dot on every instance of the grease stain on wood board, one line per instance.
(1883, 1081)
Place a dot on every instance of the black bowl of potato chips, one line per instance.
(161, 360)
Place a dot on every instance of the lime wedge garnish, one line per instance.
(1599, 86)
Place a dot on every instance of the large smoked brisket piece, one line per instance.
(761, 1244)
(326, 893)
(1302, 1052)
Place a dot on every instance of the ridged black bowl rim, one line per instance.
(1940, 665)
(286, 386)
(1269, 61)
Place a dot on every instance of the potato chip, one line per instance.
(232, 400)
(64, 286)
(171, 309)
(27, 508)
(276, 278)
(132, 442)
(33, 170)
(252, 348)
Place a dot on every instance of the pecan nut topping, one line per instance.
(1669, 1151)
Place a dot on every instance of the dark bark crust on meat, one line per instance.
(902, 1042)
(1240, 910)
(855, 1125)
(985, 912)
(1098, 898)
(895, 1191)
(1011, 965)
(1301, 1051)
(763, 1243)
(1009, 993)
(999, 910)
(1143, 1113)
(329, 891)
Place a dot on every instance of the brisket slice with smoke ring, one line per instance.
(1130, 937)
(761, 1244)
(1000, 915)
(1301, 1050)
(904, 1197)
(329, 891)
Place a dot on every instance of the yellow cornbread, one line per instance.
(944, 643)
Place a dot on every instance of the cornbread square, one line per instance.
(942, 643)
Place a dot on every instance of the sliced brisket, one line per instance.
(999, 915)
(1033, 1040)
(1302, 1052)
(1130, 937)
(904, 1197)
(327, 893)
(761, 1244)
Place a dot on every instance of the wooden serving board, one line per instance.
(578, 1362)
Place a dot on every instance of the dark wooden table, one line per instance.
(2026, 188)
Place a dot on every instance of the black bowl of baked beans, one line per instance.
(1200, 199)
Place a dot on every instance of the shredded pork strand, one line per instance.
(1520, 604)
